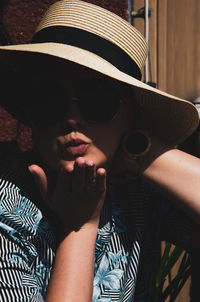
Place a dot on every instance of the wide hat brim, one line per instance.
(166, 117)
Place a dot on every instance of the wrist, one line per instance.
(89, 227)
(153, 158)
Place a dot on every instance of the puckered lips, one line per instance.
(76, 147)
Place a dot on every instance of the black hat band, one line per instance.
(91, 42)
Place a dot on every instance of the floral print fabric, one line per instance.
(133, 220)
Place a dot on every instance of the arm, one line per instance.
(76, 202)
(73, 271)
(174, 173)
(177, 175)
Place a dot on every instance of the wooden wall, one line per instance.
(174, 45)
(175, 60)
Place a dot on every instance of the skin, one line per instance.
(74, 186)
(176, 174)
(102, 139)
(61, 171)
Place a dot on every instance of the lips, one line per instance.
(76, 147)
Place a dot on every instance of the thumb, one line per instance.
(40, 178)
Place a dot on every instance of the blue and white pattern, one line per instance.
(27, 244)
(126, 243)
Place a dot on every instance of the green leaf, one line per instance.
(186, 262)
(177, 251)
(176, 285)
(167, 261)
(163, 262)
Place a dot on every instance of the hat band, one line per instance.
(91, 42)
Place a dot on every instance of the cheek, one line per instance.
(44, 139)
(106, 142)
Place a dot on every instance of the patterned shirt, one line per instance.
(133, 221)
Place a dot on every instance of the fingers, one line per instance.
(101, 180)
(40, 178)
(79, 177)
(64, 181)
(78, 180)
(85, 178)
(82, 177)
(90, 182)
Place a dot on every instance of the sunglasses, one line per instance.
(96, 99)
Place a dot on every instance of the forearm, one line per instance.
(73, 271)
(177, 175)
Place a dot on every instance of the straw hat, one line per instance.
(93, 37)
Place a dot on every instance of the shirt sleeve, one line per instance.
(27, 242)
(18, 278)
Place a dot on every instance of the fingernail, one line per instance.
(80, 162)
(31, 170)
(101, 172)
(69, 168)
(90, 164)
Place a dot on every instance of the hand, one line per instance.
(78, 193)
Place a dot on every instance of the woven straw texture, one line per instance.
(99, 21)
(168, 118)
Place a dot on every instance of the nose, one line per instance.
(73, 118)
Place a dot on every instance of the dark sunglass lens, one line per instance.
(48, 103)
(98, 100)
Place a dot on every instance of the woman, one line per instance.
(98, 132)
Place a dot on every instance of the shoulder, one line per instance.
(17, 192)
